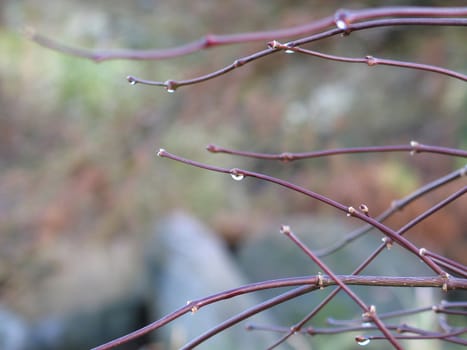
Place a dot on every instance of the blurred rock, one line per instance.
(188, 261)
(13, 330)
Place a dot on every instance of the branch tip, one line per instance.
(161, 153)
(285, 229)
(131, 79)
(212, 148)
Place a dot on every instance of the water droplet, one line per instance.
(160, 152)
(363, 341)
(171, 86)
(237, 177)
(194, 309)
(341, 24)
(289, 51)
(131, 80)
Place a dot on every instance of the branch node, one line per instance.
(274, 44)
(447, 277)
(361, 340)
(171, 86)
(320, 281)
(237, 174)
(351, 211)
(364, 209)
(388, 242)
(342, 22)
(209, 40)
(370, 314)
(286, 157)
(415, 145)
(310, 330)
(289, 49)
(371, 61)
(194, 307)
(238, 63)
(295, 330)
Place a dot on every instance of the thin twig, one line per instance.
(346, 17)
(369, 311)
(413, 147)
(350, 211)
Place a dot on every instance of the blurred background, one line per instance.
(82, 192)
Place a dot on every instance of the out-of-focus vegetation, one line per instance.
(77, 142)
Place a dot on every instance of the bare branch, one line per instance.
(413, 147)
(307, 283)
(342, 18)
(349, 210)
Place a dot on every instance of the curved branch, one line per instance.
(413, 147)
(350, 211)
(305, 283)
(340, 18)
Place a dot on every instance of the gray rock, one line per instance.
(13, 330)
(188, 261)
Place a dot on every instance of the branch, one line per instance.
(369, 311)
(419, 334)
(298, 326)
(414, 147)
(396, 205)
(343, 22)
(342, 18)
(370, 60)
(239, 174)
(306, 284)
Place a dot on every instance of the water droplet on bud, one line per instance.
(363, 341)
(131, 80)
(340, 23)
(171, 86)
(237, 177)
